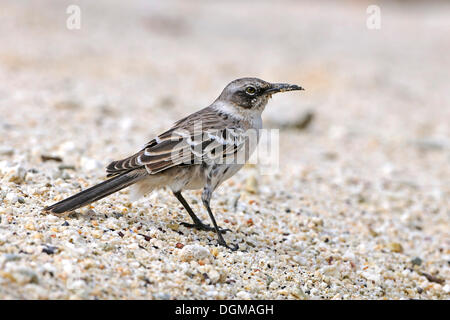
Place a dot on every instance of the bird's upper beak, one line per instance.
(282, 87)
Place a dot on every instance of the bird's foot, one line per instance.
(232, 247)
(203, 227)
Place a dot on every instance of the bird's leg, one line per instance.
(198, 224)
(206, 198)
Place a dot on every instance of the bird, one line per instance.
(199, 151)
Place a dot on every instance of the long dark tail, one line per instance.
(96, 192)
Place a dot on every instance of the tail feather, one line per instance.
(96, 192)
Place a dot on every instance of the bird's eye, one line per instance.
(250, 90)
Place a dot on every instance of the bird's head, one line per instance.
(252, 93)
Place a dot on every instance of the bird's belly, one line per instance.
(195, 178)
(195, 183)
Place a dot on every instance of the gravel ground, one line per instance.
(359, 208)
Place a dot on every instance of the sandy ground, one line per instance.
(359, 208)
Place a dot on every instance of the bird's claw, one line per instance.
(203, 227)
(232, 247)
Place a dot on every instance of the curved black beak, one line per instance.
(282, 87)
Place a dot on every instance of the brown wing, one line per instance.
(186, 143)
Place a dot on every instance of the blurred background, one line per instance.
(139, 65)
(376, 100)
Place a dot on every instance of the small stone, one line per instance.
(302, 122)
(214, 276)
(430, 144)
(395, 247)
(244, 295)
(194, 252)
(269, 280)
(349, 256)
(89, 164)
(446, 288)
(298, 293)
(215, 252)
(371, 275)
(65, 175)
(97, 234)
(179, 245)
(12, 197)
(49, 249)
(50, 158)
(14, 174)
(24, 276)
(433, 278)
(66, 105)
(146, 237)
(76, 285)
(30, 226)
(162, 296)
(173, 226)
(10, 257)
(416, 261)
(251, 185)
(66, 167)
(108, 247)
(300, 260)
(6, 151)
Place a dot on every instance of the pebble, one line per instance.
(251, 185)
(10, 257)
(24, 276)
(76, 285)
(12, 197)
(214, 276)
(6, 151)
(244, 295)
(90, 164)
(371, 275)
(30, 225)
(416, 261)
(194, 252)
(49, 249)
(395, 247)
(446, 288)
(162, 296)
(67, 148)
(12, 173)
(300, 260)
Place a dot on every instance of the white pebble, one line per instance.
(194, 252)
(6, 151)
(244, 295)
(12, 197)
(90, 164)
(12, 173)
(300, 260)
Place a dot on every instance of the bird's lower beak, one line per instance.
(282, 87)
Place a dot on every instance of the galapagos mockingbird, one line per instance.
(200, 151)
